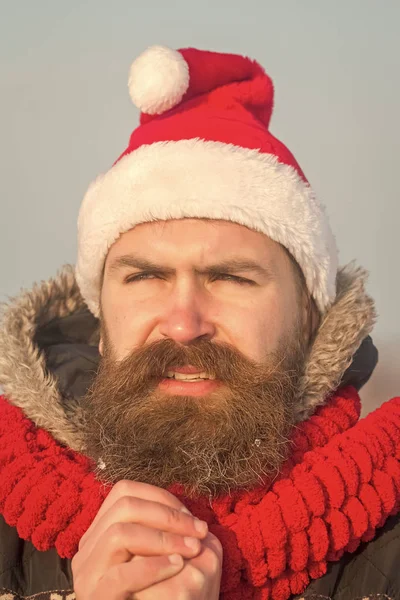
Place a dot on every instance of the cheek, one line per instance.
(262, 336)
(125, 319)
(257, 330)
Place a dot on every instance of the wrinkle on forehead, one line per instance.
(198, 240)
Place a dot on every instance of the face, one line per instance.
(212, 280)
(214, 302)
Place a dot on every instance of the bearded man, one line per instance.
(181, 411)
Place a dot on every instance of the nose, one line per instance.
(185, 319)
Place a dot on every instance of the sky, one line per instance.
(66, 116)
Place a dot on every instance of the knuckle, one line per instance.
(124, 487)
(163, 539)
(196, 578)
(77, 568)
(75, 563)
(82, 540)
(173, 517)
(127, 504)
(115, 534)
(166, 496)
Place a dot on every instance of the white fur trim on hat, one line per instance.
(158, 80)
(194, 178)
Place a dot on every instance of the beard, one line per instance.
(235, 437)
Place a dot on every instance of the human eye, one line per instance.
(140, 277)
(233, 278)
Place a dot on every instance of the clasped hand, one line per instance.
(145, 545)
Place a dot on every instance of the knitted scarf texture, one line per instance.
(341, 483)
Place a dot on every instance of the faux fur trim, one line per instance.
(28, 384)
(23, 374)
(340, 334)
(208, 180)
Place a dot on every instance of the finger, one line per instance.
(122, 541)
(144, 512)
(134, 576)
(136, 489)
(203, 570)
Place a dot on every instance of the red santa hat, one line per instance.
(203, 149)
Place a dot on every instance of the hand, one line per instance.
(127, 547)
(199, 579)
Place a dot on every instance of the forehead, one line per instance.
(183, 240)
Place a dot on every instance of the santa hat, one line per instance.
(203, 149)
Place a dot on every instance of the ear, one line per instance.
(314, 320)
(310, 316)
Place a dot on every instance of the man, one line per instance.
(181, 412)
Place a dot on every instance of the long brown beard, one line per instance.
(234, 437)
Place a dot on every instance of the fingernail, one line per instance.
(200, 526)
(175, 559)
(191, 543)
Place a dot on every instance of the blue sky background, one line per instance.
(66, 116)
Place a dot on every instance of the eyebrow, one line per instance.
(232, 265)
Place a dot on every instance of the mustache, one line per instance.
(150, 363)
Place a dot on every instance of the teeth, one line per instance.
(189, 376)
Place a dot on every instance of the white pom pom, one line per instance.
(158, 80)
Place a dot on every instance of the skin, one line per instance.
(124, 552)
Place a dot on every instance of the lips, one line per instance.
(196, 387)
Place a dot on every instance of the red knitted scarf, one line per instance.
(341, 482)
